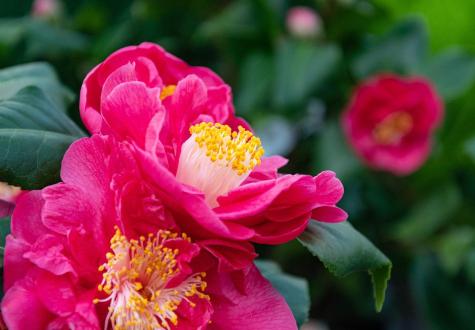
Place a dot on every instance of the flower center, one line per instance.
(215, 159)
(167, 91)
(393, 128)
(136, 278)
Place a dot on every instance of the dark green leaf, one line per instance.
(255, 83)
(4, 231)
(446, 303)
(301, 68)
(400, 50)
(31, 109)
(453, 72)
(343, 250)
(293, 289)
(42, 75)
(332, 152)
(31, 159)
(429, 215)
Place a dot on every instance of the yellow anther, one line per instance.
(240, 150)
(167, 91)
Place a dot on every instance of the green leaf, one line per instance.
(31, 109)
(332, 152)
(400, 50)
(33, 139)
(343, 250)
(255, 82)
(31, 159)
(300, 69)
(235, 20)
(453, 72)
(446, 302)
(42, 75)
(454, 248)
(429, 215)
(293, 289)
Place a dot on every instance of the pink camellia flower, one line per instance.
(98, 251)
(207, 171)
(148, 65)
(303, 22)
(390, 122)
(46, 8)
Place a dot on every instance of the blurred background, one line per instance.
(292, 73)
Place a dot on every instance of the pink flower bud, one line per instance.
(303, 22)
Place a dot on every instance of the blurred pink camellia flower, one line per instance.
(303, 22)
(8, 197)
(93, 252)
(390, 121)
(203, 162)
(46, 8)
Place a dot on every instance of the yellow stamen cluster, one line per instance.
(240, 150)
(393, 128)
(167, 91)
(136, 277)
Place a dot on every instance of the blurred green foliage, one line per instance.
(293, 90)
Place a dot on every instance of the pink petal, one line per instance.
(47, 253)
(128, 109)
(22, 308)
(259, 307)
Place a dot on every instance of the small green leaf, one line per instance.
(254, 83)
(4, 231)
(453, 72)
(293, 289)
(41, 75)
(446, 302)
(300, 69)
(343, 250)
(400, 50)
(429, 215)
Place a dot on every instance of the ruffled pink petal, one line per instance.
(26, 219)
(22, 309)
(258, 306)
(329, 188)
(330, 214)
(231, 255)
(48, 253)
(56, 293)
(267, 169)
(191, 210)
(15, 265)
(128, 109)
(67, 207)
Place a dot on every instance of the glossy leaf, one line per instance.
(41, 75)
(294, 289)
(300, 69)
(33, 139)
(343, 250)
(400, 50)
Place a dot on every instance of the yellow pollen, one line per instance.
(167, 91)
(393, 128)
(136, 279)
(240, 150)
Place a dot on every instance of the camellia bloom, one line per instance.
(204, 164)
(303, 22)
(80, 257)
(149, 65)
(390, 121)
